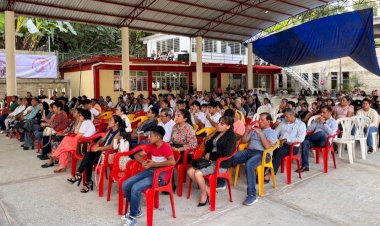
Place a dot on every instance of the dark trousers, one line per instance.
(2, 121)
(88, 161)
(46, 145)
(314, 140)
(280, 153)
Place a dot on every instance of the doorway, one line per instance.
(213, 82)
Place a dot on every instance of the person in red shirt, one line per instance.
(161, 155)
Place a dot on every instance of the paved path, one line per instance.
(348, 195)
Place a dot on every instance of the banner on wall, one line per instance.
(32, 66)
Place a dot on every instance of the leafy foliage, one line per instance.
(72, 40)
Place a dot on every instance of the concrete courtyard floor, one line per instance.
(348, 195)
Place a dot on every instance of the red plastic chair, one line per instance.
(328, 148)
(248, 121)
(120, 175)
(102, 169)
(75, 157)
(139, 113)
(212, 178)
(184, 165)
(152, 194)
(288, 160)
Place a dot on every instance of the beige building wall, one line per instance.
(106, 85)
(225, 80)
(325, 68)
(86, 84)
(205, 78)
(34, 85)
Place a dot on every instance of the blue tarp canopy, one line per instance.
(347, 34)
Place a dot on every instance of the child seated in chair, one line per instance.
(161, 155)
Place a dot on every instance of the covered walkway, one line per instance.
(349, 195)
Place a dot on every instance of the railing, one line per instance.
(300, 79)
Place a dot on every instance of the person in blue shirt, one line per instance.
(259, 139)
(289, 131)
(322, 127)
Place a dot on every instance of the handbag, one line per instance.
(48, 131)
(201, 163)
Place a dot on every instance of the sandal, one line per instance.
(77, 177)
(87, 186)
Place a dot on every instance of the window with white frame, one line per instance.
(138, 80)
(234, 48)
(168, 44)
(162, 80)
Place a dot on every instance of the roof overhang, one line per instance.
(231, 20)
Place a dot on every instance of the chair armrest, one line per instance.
(292, 145)
(309, 133)
(107, 154)
(90, 139)
(266, 151)
(157, 173)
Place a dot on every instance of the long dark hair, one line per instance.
(121, 126)
(186, 114)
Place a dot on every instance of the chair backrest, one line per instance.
(311, 119)
(347, 125)
(277, 116)
(256, 117)
(247, 121)
(274, 110)
(131, 116)
(360, 123)
(262, 109)
(196, 127)
(207, 130)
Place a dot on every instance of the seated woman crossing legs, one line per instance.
(117, 129)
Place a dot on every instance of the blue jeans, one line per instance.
(252, 159)
(134, 186)
(315, 140)
(372, 129)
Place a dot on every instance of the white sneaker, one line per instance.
(126, 216)
(221, 188)
(130, 221)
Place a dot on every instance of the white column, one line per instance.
(249, 67)
(10, 53)
(199, 67)
(125, 58)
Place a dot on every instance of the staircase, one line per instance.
(299, 78)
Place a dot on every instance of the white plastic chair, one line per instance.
(274, 110)
(361, 123)
(255, 117)
(311, 119)
(263, 109)
(347, 138)
(277, 116)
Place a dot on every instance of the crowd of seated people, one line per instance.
(171, 126)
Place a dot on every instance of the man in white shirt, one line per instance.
(213, 115)
(197, 116)
(167, 122)
(367, 111)
(88, 106)
(171, 100)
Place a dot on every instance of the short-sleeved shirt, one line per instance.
(239, 127)
(201, 117)
(255, 142)
(160, 154)
(214, 118)
(87, 128)
(342, 112)
(168, 129)
(94, 113)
